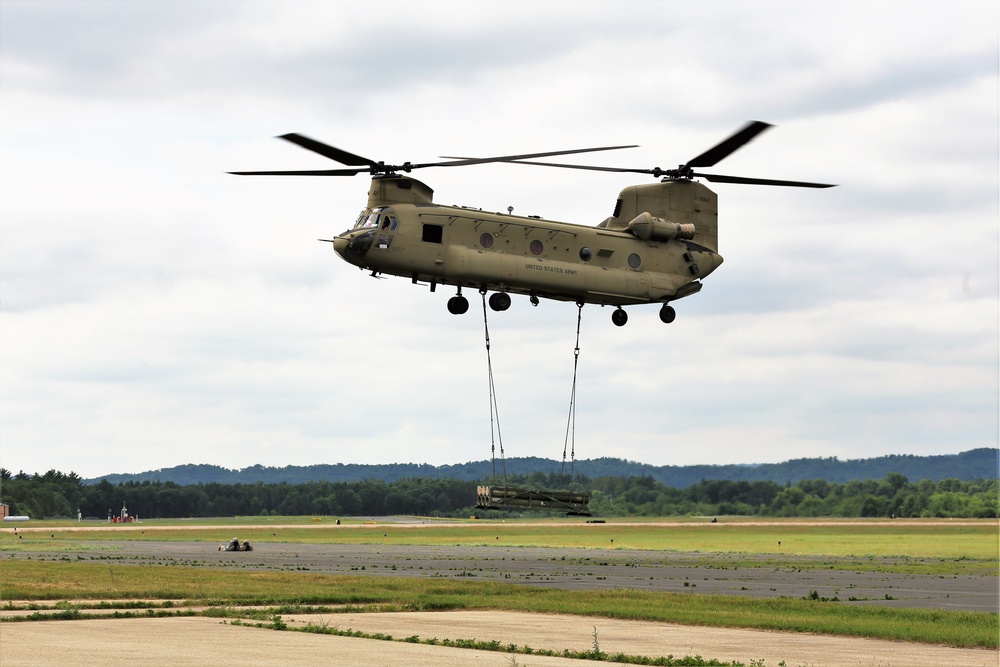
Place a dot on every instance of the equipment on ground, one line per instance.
(235, 545)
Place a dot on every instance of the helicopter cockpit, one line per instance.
(382, 218)
(374, 227)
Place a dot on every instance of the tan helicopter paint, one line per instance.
(453, 251)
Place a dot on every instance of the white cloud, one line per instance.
(156, 311)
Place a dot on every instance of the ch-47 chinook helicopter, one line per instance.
(661, 240)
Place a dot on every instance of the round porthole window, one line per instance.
(586, 253)
(634, 261)
(536, 247)
(486, 240)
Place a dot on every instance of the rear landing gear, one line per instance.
(619, 317)
(500, 301)
(667, 314)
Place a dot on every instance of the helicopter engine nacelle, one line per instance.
(650, 228)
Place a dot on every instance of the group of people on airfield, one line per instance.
(235, 545)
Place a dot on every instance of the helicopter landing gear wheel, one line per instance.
(619, 317)
(533, 300)
(458, 305)
(500, 301)
(667, 314)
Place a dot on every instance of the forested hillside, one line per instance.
(55, 494)
(970, 465)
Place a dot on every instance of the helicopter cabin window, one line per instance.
(432, 234)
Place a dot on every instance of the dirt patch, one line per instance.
(193, 642)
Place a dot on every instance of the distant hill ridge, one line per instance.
(973, 464)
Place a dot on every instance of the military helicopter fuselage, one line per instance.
(657, 246)
(662, 238)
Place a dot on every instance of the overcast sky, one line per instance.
(155, 311)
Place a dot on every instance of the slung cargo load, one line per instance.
(574, 503)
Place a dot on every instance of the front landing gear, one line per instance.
(619, 317)
(458, 304)
(667, 314)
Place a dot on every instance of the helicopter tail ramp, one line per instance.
(574, 503)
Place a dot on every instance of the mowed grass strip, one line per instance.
(978, 540)
(27, 580)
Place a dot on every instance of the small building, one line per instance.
(4, 510)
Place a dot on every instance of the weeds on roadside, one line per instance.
(594, 653)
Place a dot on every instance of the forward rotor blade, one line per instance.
(727, 147)
(307, 172)
(341, 156)
(718, 178)
(462, 161)
(587, 167)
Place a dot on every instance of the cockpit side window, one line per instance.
(382, 217)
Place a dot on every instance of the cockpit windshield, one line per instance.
(379, 218)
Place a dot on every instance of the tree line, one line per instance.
(965, 466)
(55, 494)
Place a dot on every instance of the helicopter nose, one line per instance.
(340, 245)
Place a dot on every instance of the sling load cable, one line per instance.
(494, 411)
(570, 438)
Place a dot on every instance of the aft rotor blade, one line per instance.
(307, 172)
(663, 172)
(718, 178)
(341, 156)
(727, 147)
